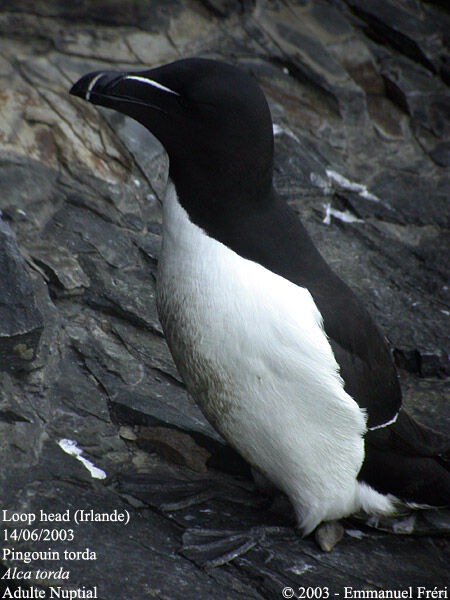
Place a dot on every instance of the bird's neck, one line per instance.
(258, 226)
(218, 196)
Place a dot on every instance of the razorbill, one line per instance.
(277, 351)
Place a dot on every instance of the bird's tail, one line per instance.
(410, 461)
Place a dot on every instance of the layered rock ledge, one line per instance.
(359, 97)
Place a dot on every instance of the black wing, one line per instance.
(276, 239)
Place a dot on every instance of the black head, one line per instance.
(212, 119)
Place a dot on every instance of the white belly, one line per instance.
(252, 351)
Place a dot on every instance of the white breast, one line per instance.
(252, 351)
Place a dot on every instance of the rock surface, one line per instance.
(361, 121)
(20, 321)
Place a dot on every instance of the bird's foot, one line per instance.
(214, 548)
(328, 534)
(420, 521)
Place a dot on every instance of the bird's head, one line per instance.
(211, 117)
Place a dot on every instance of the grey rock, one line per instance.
(225, 8)
(27, 191)
(108, 12)
(130, 295)
(173, 445)
(148, 153)
(145, 550)
(20, 320)
(152, 349)
(427, 101)
(359, 100)
(109, 241)
(328, 534)
(61, 266)
(416, 34)
(150, 245)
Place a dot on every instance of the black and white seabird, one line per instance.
(277, 351)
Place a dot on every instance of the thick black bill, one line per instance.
(122, 91)
(97, 85)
